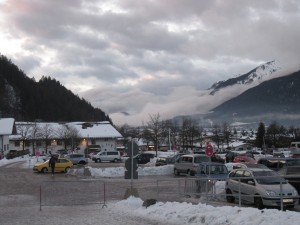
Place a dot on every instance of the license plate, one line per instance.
(287, 200)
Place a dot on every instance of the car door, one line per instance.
(59, 165)
(248, 187)
(235, 182)
(104, 156)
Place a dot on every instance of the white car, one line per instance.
(261, 186)
(109, 156)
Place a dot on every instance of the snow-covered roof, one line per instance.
(85, 129)
(96, 129)
(6, 126)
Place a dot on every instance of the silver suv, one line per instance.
(77, 158)
(189, 164)
(263, 187)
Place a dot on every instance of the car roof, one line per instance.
(212, 163)
(193, 155)
(279, 158)
(255, 169)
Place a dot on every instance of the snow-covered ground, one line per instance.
(131, 211)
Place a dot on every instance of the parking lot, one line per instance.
(17, 179)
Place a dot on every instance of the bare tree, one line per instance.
(68, 134)
(46, 132)
(24, 130)
(156, 130)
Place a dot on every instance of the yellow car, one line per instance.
(61, 165)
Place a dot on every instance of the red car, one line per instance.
(244, 159)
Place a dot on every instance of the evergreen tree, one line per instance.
(261, 131)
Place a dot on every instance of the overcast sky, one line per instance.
(145, 57)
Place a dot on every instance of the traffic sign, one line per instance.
(131, 167)
(131, 149)
(209, 150)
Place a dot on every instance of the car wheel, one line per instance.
(98, 160)
(82, 163)
(44, 170)
(115, 160)
(258, 203)
(67, 169)
(229, 197)
(176, 172)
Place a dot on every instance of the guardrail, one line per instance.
(83, 192)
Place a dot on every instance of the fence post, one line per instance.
(157, 191)
(281, 200)
(104, 197)
(240, 197)
(40, 197)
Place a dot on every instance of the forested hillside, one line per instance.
(25, 99)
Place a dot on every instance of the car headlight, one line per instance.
(271, 193)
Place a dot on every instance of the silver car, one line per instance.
(261, 186)
(189, 164)
(77, 158)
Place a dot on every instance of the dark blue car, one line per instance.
(208, 173)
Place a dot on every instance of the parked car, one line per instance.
(161, 161)
(107, 156)
(233, 166)
(244, 159)
(189, 164)
(61, 165)
(62, 152)
(262, 187)
(216, 158)
(230, 155)
(291, 173)
(212, 170)
(144, 157)
(208, 173)
(77, 158)
(92, 154)
(276, 163)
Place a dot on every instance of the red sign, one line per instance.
(209, 150)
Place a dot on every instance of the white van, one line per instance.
(108, 156)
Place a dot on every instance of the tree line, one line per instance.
(160, 133)
(25, 99)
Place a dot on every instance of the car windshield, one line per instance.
(216, 169)
(268, 177)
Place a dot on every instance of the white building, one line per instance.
(7, 128)
(43, 137)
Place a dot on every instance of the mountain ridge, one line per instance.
(254, 77)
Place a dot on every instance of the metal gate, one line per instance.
(83, 192)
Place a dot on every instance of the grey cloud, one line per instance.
(79, 42)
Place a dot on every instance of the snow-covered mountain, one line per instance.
(250, 79)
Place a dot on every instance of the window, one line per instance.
(247, 178)
(239, 173)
